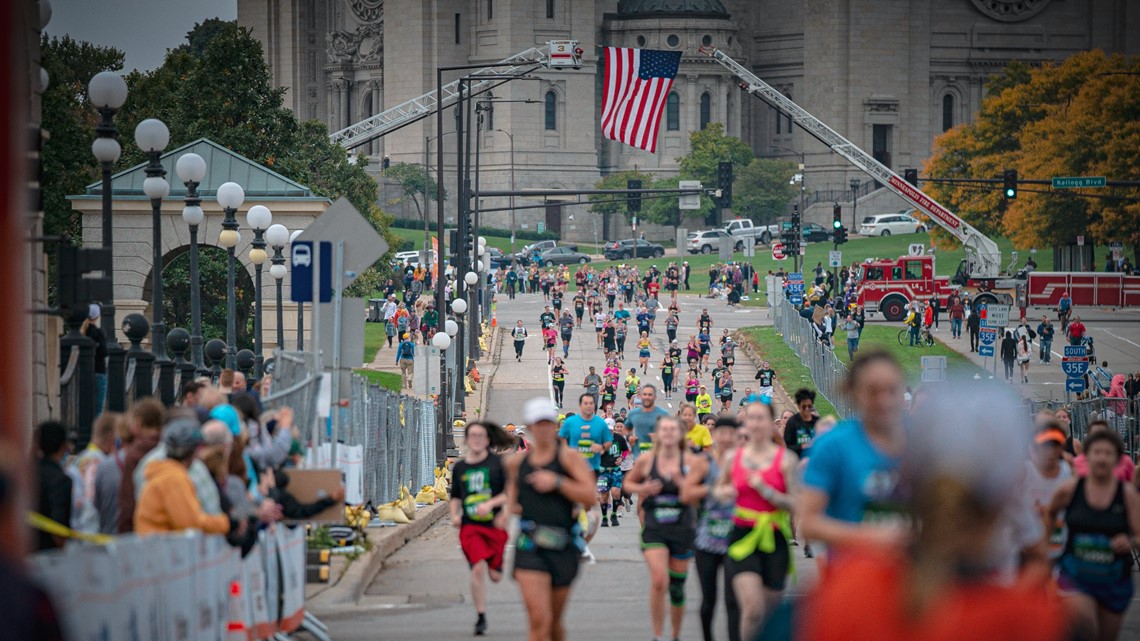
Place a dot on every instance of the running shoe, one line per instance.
(613, 519)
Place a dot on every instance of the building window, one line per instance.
(706, 40)
(881, 144)
(672, 40)
(947, 112)
(490, 113)
(490, 9)
(457, 28)
(789, 97)
(640, 41)
(673, 112)
(779, 122)
(706, 109)
(550, 111)
(549, 9)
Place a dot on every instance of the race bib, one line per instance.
(584, 445)
(471, 504)
(667, 510)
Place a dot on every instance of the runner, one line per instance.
(567, 330)
(558, 380)
(725, 391)
(589, 434)
(697, 436)
(579, 307)
(714, 525)
(667, 376)
(599, 325)
(620, 332)
(610, 477)
(693, 350)
(592, 382)
(632, 385)
(1103, 516)
(799, 429)
(518, 332)
(761, 477)
(643, 420)
(477, 483)
(703, 403)
(643, 352)
(543, 485)
(692, 386)
(550, 339)
(664, 482)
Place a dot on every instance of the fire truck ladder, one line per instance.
(423, 106)
(982, 254)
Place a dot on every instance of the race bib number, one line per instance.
(667, 510)
(471, 505)
(584, 445)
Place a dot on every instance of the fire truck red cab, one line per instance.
(887, 286)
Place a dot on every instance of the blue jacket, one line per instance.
(407, 349)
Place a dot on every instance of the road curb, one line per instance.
(782, 399)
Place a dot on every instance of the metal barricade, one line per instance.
(295, 384)
(826, 369)
(1122, 415)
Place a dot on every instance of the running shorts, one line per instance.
(1114, 596)
(561, 565)
(483, 543)
(566, 338)
(608, 479)
(771, 567)
(678, 540)
(644, 353)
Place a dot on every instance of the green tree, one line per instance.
(708, 148)
(614, 203)
(416, 183)
(761, 189)
(212, 280)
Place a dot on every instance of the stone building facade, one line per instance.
(888, 75)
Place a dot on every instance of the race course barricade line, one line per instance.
(177, 587)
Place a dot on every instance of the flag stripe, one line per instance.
(635, 89)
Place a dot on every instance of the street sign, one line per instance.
(933, 368)
(1075, 385)
(987, 338)
(1076, 351)
(749, 249)
(916, 249)
(834, 258)
(301, 257)
(1117, 248)
(778, 251)
(689, 201)
(986, 350)
(1080, 241)
(1069, 182)
(996, 315)
(1074, 367)
(363, 245)
(796, 288)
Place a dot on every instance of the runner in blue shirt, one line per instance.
(643, 420)
(587, 432)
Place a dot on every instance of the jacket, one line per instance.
(169, 504)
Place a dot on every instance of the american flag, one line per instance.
(637, 83)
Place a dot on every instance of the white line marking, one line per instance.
(1119, 337)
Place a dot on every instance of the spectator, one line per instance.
(405, 358)
(168, 502)
(1077, 331)
(109, 476)
(54, 484)
(146, 418)
(85, 515)
(91, 330)
(207, 490)
(1045, 336)
(957, 315)
(974, 326)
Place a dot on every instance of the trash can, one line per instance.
(374, 307)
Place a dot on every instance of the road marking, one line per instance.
(1119, 337)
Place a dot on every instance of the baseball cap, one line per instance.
(1051, 435)
(537, 410)
(182, 436)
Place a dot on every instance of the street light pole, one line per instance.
(854, 201)
(152, 136)
(278, 236)
(191, 169)
(230, 197)
(300, 306)
(259, 218)
(512, 139)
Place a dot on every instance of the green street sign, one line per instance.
(1061, 182)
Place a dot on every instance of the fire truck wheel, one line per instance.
(893, 308)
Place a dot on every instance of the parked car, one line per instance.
(887, 224)
(623, 249)
(815, 233)
(499, 260)
(705, 242)
(406, 258)
(561, 256)
(526, 254)
(743, 228)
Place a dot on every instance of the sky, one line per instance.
(142, 29)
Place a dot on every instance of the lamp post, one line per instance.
(191, 169)
(108, 91)
(300, 306)
(512, 139)
(442, 341)
(230, 197)
(152, 136)
(278, 237)
(259, 218)
(854, 201)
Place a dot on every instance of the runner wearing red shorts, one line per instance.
(477, 483)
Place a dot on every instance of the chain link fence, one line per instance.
(295, 384)
(826, 369)
(1121, 414)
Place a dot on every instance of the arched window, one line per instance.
(947, 112)
(706, 109)
(550, 111)
(673, 112)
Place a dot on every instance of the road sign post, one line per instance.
(834, 258)
(778, 251)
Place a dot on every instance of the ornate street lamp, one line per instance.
(278, 237)
(191, 169)
(259, 218)
(442, 341)
(152, 136)
(108, 91)
(230, 197)
(300, 306)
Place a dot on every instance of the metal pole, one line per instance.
(230, 222)
(316, 440)
(472, 292)
(338, 284)
(427, 240)
(279, 259)
(158, 329)
(116, 400)
(258, 357)
(192, 200)
(442, 418)
(461, 145)
(300, 327)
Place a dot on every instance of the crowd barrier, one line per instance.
(826, 369)
(177, 587)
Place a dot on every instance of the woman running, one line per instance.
(1102, 515)
(761, 477)
(558, 379)
(477, 483)
(632, 386)
(619, 335)
(643, 351)
(692, 386)
(693, 352)
(550, 338)
(667, 376)
(544, 484)
(704, 345)
(599, 324)
(714, 526)
(725, 390)
(666, 483)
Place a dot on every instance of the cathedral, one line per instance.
(890, 75)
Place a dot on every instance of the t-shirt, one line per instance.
(766, 376)
(593, 381)
(642, 422)
(581, 434)
(567, 325)
(474, 483)
(798, 433)
(546, 319)
(618, 448)
(858, 479)
(703, 403)
(699, 436)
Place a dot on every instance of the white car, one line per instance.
(888, 224)
(402, 258)
(705, 242)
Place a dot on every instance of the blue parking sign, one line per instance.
(301, 268)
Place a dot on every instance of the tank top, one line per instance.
(1088, 554)
(715, 522)
(748, 497)
(543, 508)
(665, 510)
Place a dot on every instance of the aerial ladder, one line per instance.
(556, 54)
(983, 257)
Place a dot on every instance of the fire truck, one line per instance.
(887, 286)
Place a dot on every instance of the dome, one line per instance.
(663, 8)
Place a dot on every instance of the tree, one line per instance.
(212, 279)
(614, 203)
(1080, 117)
(761, 189)
(416, 183)
(708, 148)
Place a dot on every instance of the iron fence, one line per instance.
(826, 369)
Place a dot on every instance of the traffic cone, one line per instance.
(494, 321)
(235, 626)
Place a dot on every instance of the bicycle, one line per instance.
(925, 338)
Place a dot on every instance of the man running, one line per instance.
(588, 433)
(767, 377)
(566, 326)
(610, 477)
(518, 333)
(642, 420)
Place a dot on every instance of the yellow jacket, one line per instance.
(704, 403)
(168, 503)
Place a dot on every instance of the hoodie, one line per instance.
(1116, 390)
(168, 503)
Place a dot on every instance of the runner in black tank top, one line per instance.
(545, 484)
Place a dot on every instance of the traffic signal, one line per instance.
(76, 289)
(837, 230)
(840, 235)
(911, 176)
(1009, 179)
(633, 201)
(724, 183)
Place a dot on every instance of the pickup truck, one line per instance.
(742, 228)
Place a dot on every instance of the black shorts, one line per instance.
(677, 539)
(578, 313)
(566, 338)
(561, 565)
(771, 567)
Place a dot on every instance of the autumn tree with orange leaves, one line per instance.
(1080, 117)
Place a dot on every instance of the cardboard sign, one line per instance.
(310, 485)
